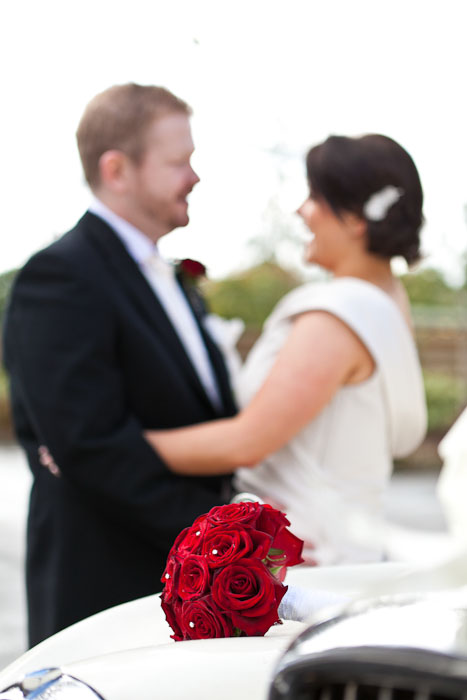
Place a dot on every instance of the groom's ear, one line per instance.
(112, 170)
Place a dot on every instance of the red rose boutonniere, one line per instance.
(224, 573)
(189, 273)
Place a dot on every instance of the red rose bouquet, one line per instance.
(224, 574)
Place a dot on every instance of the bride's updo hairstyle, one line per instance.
(374, 177)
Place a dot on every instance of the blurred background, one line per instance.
(266, 80)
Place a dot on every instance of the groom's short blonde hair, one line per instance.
(118, 118)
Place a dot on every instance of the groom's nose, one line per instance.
(194, 177)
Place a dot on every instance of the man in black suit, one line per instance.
(101, 343)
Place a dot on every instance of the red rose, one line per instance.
(201, 619)
(177, 546)
(170, 576)
(246, 513)
(286, 548)
(193, 578)
(271, 520)
(202, 524)
(251, 595)
(192, 268)
(225, 544)
(190, 539)
(173, 611)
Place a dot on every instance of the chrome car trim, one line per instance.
(396, 647)
(48, 684)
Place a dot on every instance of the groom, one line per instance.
(101, 343)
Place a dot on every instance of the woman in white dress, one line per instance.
(333, 390)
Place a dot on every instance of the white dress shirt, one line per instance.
(160, 275)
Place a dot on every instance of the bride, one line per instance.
(333, 390)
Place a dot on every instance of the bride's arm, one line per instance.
(320, 355)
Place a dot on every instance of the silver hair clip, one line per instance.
(377, 206)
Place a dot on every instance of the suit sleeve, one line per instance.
(62, 355)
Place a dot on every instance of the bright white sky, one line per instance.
(261, 75)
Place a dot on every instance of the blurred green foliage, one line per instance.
(429, 288)
(250, 295)
(445, 396)
(6, 280)
(3, 384)
(6, 432)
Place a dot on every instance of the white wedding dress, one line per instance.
(330, 478)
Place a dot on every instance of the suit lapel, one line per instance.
(126, 273)
(198, 307)
(221, 373)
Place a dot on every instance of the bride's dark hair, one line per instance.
(345, 172)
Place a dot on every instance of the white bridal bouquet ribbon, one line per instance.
(299, 603)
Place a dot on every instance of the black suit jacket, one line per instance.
(93, 360)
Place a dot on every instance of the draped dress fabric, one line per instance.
(331, 477)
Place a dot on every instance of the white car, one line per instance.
(126, 652)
